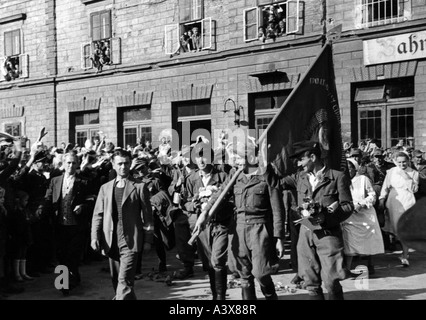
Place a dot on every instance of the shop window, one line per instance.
(85, 126)
(263, 107)
(386, 111)
(14, 129)
(136, 125)
(270, 21)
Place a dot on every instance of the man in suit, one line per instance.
(122, 224)
(68, 198)
(320, 243)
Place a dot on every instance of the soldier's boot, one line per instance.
(212, 278)
(221, 284)
(268, 290)
(248, 289)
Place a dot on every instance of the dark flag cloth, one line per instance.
(311, 112)
(411, 227)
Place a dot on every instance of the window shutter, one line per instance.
(24, 66)
(206, 33)
(116, 50)
(3, 71)
(292, 16)
(185, 10)
(86, 51)
(251, 23)
(16, 42)
(358, 14)
(171, 36)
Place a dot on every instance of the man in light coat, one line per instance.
(122, 224)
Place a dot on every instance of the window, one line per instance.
(86, 125)
(193, 33)
(14, 64)
(191, 119)
(370, 13)
(12, 43)
(263, 107)
(136, 125)
(272, 20)
(103, 49)
(100, 25)
(386, 113)
(14, 129)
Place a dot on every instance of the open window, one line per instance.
(193, 32)
(14, 63)
(102, 49)
(269, 21)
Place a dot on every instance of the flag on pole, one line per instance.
(311, 112)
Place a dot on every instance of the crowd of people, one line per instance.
(67, 204)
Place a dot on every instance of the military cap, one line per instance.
(418, 153)
(302, 146)
(378, 153)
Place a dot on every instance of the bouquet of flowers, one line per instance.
(204, 195)
(309, 209)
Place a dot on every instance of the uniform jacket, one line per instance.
(193, 184)
(257, 200)
(334, 186)
(137, 215)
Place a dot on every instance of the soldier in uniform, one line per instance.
(320, 243)
(212, 243)
(260, 221)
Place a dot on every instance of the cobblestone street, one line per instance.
(390, 282)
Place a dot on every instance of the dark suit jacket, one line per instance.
(137, 215)
(333, 187)
(80, 196)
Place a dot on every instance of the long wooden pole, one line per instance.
(218, 201)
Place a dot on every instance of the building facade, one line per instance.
(133, 69)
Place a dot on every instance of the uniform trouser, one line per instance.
(213, 249)
(320, 259)
(251, 245)
(70, 246)
(183, 233)
(122, 264)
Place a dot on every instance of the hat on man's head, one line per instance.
(418, 153)
(378, 153)
(355, 152)
(301, 147)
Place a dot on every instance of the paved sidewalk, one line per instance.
(390, 282)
